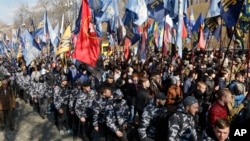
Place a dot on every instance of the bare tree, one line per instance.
(44, 3)
(23, 14)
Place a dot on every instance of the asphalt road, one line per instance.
(31, 127)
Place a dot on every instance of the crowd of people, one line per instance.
(160, 100)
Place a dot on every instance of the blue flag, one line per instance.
(196, 29)
(99, 29)
(42, 29)
(96, 4)
(139, 7)
(156, 10)
(230, 11)
(131, 29)
(31, 27)
(1, 48)
(78, 22)
(247, 8)
(108, 11)
(198, 23)
(56, 39)
(214, 8)
(31, 50)
(217, 33)
(170, 6)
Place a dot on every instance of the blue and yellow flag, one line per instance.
(156, 10)
(230, 11)
(244, 20)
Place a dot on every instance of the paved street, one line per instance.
(31, 127)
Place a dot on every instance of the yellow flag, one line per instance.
(65, 43)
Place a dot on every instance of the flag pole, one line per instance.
(163, 48)
(220, 49)
(192, 47)
(232, 59)
(248, 57)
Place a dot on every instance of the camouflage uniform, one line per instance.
(99, 118)
(147, 127)
(41, 97)
(117, 117)
(34, 94)
(61, 99)
(3, 70)
(84, 103)
(84, 109)
(181, 126)
(24, 83)
(73, 119)
(208, 135)
(73, 98)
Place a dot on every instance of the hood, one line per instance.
(180, 108)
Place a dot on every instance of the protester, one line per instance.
(117, 117)
(149, 124)
(199, 94)
(219, 108)
(181, 125)
(189, 84)
(220, 131)
(211, 87)
(130, 92)
(73, 119)
(222, 82)
(103, 100)
(61, 99)
(7, 105)
(239, 79)
(174, 94)
(142, 97)
(238, 102)
(84, 110)
(42, 96)
(35, 75)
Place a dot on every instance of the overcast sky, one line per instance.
(8, 8)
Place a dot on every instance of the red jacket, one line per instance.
(217, 111)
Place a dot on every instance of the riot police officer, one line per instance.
(61, 99)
